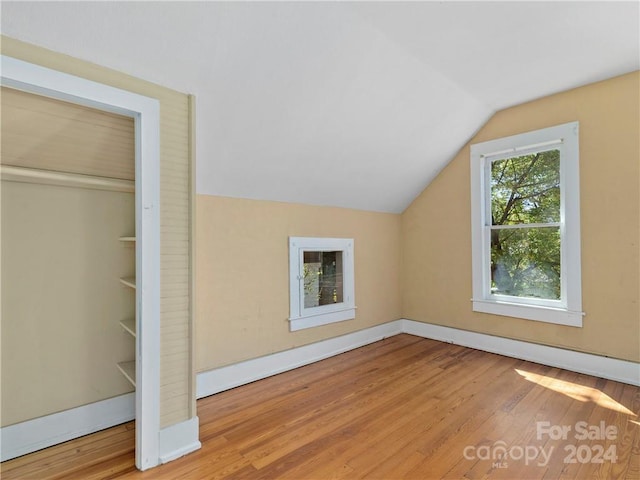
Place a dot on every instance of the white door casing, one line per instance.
(146, 113)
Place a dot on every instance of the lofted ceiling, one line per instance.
(355, 105)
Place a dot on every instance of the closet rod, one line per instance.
(48, 177)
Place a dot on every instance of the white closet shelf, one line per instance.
(129, 325)
(129, 282)
(64, 179)
(128, 369)
(127, 239)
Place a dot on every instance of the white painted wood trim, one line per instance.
(568, 310)
(146, 114)
(62, 179)
(596, 365)
(560, 316)
(43, 432)
(193, 407)
(179, 439)
(301, 317)
(32, 78)
(321, 319)
(224, 378)
(231, 376)
(147, 130)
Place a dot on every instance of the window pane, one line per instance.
(526, 189)
(525, 262)
(322, 278)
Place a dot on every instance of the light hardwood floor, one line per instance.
(404, 407)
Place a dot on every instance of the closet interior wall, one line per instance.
(67, 198)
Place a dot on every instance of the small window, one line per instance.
(526, 226)
(321, 281)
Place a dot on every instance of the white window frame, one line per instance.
(567, 310)
(301, 317)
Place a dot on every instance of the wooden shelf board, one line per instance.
(129, 282)
(127, 239)
(128, 369)
(129, 325)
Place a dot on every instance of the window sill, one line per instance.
(558, 316)
(309, 321)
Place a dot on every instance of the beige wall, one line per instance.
(61, 298)
(70, 138)
(177, 379)
(242, 274)
(436, 228)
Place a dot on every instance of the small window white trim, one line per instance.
(301, 317)
(567, 310)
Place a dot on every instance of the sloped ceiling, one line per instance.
(354, 105)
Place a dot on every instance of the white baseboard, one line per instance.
(182, 438)
(179, 439)
(39, 433)
(596, 365)
(225, 378)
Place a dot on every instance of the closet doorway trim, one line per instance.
(146, 114)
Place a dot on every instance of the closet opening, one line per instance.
(80, 257)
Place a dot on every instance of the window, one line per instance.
(525, 211)
(321, 281)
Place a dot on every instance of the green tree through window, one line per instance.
(525, 225)
(322, 275)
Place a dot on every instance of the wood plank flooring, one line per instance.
(401, 408)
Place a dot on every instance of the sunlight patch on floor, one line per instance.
(576, 391)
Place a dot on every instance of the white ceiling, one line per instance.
(355, 105)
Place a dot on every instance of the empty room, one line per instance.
(320, 240)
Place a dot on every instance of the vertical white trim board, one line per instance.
(43, 432)
(231, 376)
(596, 365)
(179, 439)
